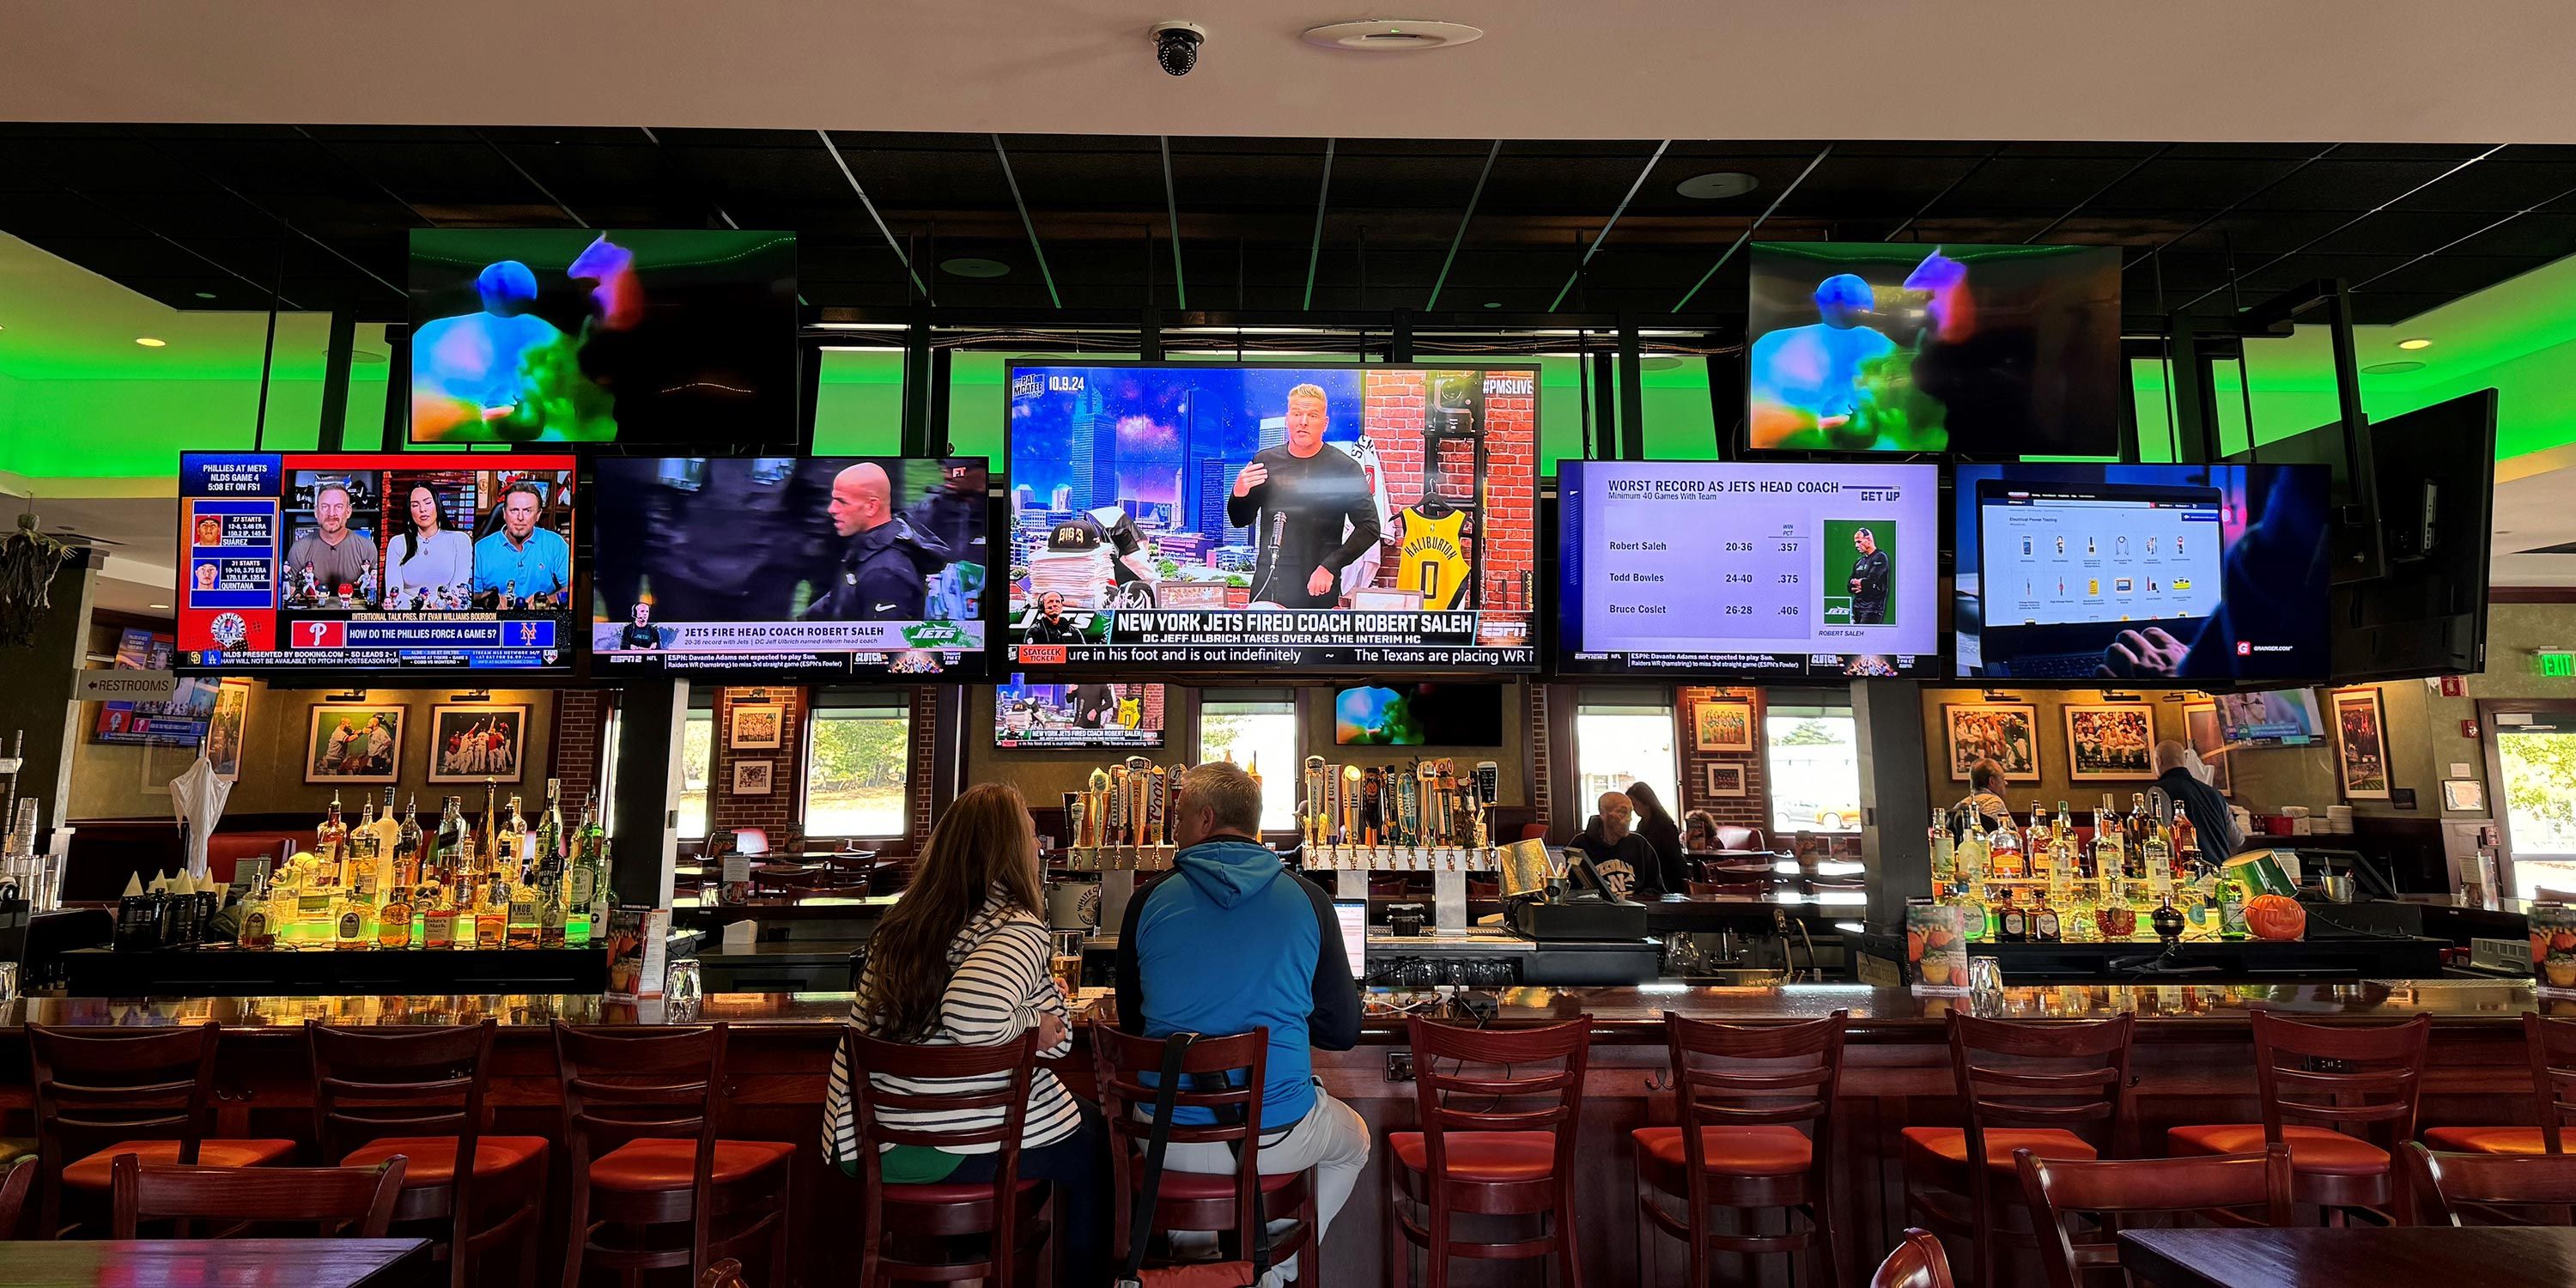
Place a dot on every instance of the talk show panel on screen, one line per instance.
(329, 561)
(668, 338)
(816, 565)
(1042, 716)
(1218, 517)
(1920, 347)
(2210, 573)
(1747, 570)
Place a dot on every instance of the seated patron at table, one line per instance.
(961, 960)
(1699, 833)
(1230, 940)
(1655, 823)
(1626, 861)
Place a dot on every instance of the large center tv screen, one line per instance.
(1915, 347)
(657, 338)
(1229, 518)
(328, 561)
(2209, 573)
(1065, 716)
(822, 566)
(1750, 570)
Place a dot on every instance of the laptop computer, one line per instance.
(2066, 566)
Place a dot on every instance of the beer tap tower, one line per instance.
(1421, 817)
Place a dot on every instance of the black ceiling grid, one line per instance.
(179, 212)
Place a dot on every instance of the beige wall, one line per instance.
(2053, 785)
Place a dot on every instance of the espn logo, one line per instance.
(1041, 654)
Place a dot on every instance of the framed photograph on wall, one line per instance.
(2361, 744)
(2109, 742)
(752, 777)
(353, 744)
(474, 741)
(757, 726)
(2205, 735)
(2006, 733)
(1725, 778)
(226, 728)
(1722, 724)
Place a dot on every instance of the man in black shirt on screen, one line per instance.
(1092, 703)
(1298, 497)
(1869, 575)
(1051, 626)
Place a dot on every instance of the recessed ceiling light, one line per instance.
(205, 295)
(970, 267)
(2397, 368)
(1380, 35)
(2417, 342)
(1717, 186)
(364, 356)
(156, 605)
(1493, 304)
(150, 342)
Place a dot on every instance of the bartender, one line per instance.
(1985, 796)
(2200, 802)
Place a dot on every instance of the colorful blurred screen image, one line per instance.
(1922, 347)
(1067, 716)
(1418, 715)
(669, 338)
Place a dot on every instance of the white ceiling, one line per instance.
(2191, 70)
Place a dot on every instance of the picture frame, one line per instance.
(753, 777)
(2464, 795)
(2203, 734)
(2006, 732)
(756, 726)
(1722, 724)
(2361, 744)
(353, 743)
(2109, 742)
(472, 741)
(226, 729)
(1725, 778)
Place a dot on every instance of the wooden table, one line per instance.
(234, 1263)
(2354, 1257)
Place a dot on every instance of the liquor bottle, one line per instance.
(491, 914)
(587, 906)
(491, 842)
(409, 855)
(521, 929)
(330, 838)
(2156, 855)
(2134, 834)
(2109, 856)
(550, 829)
(358, 856)
(2035, 842)
(455, 842)
(349, 918)
(437, 918)
(2231, 908)
(2044, 924)
(258, 927)
(510, 844)
(2062, 859)
(1976, 916)
(389, 851)
(2004, 857)
(316, 905)
(551, 913)
(1945, 858)
(1972, 857)
(393, 920)
(2016, 923)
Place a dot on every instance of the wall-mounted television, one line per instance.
(823, 566)
(1030, 717)
(1783, 571)
(326, 561)
(1934, 347)
(1419, 715)
(660, 337)
(2269, 718)
(2144, 574)
(1217, 517)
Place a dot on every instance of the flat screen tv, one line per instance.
(1032, 717)
(1778, 571)
(1236, 518)
(179, 720)
(1924, 347)
(328, 561)
(2145, 574)
(1419, 715)
(2269, 718)
(819, 566)
(656, 338)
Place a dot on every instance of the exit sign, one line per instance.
(2561, 665)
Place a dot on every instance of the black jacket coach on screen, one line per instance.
(883, 576)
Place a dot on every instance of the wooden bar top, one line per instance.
(1625, 1014)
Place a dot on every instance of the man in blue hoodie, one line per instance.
(1233, 939)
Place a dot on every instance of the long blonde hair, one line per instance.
(980, 848)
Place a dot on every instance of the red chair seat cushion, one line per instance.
(91, 1173)
(1731, 1151)
(1948, 1146)
(945, 1194)
(1493, 1157)
(2321, 1151)
(1196, 1187)
(2487, 1140)
(431, 1160)
(669, 1164)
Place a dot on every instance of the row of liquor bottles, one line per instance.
(389, 884)
(2045, 885)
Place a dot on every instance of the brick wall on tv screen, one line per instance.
(1393, 425)
(1753, 809)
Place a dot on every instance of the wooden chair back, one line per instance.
(1918, 1262)
(340, 1202)
(621, 1085)
(1522, 1079)
(15, 1183)
(2552, 1046)
(1784, 1075)
(1222, 1079)
(2069, 1076)
(372, 1083)
(723, 1274)
(2101, 1194)
(2340, 1078)
(2492, 1189)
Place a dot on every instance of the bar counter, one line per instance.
(2193, 1064)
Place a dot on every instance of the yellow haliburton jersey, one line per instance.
(1433, 560)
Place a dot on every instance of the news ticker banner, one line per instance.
(1293, 637)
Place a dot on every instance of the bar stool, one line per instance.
(1743, 1096)
(2039, 1087)
(2496, 1189)
(420, 1093)
(1491, 1161)
(907, 1230)
(2551, 1044)
(16, 1179)
(1918, 1262)
(103, 1094)
(2223, 1186)
(1224, 1082)
(2328, 1079)
(641, 1116)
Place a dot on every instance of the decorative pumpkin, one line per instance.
(2275, 917)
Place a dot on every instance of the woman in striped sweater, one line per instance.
(961, 960)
